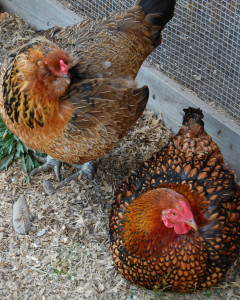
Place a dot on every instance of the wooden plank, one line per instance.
(169, 99)
(41, 14)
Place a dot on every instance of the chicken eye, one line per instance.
(174, 214)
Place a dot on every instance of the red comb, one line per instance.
(63, 67)
(187, 209)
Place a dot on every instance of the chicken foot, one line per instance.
(87, 169)
(48, 163)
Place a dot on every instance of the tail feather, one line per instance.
(193, 124)
(157, 13)
(194, 114)
(141, 95)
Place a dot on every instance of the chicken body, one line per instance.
(153, 242)
(102, 102)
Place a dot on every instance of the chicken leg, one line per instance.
(87, 169)
(48, 163)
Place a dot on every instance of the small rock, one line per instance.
(100, 287)
(21, 217)
(41, 232)
(48, 187)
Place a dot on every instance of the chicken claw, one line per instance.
(87, 169)
(49, 163)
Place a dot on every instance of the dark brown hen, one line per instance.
(101, 102)
(175, 222)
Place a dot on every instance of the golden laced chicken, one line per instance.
(175, 222)
(75, 107)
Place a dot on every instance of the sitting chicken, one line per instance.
(75, 107)
(175, 222)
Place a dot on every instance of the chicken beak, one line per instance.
(192, 224)
(67, 78)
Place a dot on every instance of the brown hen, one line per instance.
(102, 101)
(175, 222)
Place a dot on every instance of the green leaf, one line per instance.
(29, 163)
(28, 179)
(6, 161)
(20, 147)
(23, 164)
(11, 148)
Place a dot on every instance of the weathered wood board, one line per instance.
(41, 14)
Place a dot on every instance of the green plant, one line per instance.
(11, 148)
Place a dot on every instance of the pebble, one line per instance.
(41, 232)
(48, 187)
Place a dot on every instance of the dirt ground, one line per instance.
(66, 254)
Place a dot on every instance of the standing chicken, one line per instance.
(75, 107)
(175, 222)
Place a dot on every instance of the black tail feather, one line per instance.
(141, 94)
(193, 113)
(158, 13)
